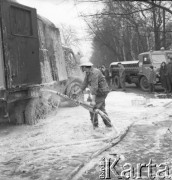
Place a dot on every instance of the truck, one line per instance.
(74, 73)
(137, 70)
(31, 58)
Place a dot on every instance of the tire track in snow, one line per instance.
(90, 162)
(79, 170)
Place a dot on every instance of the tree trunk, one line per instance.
(157, 45)
(147, 40)
(131, 45)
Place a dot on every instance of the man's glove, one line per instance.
(89, 99)
(93, 103)
(87, 90)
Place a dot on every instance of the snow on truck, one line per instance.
(137, 71)
(32, 57)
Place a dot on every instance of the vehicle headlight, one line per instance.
(140, 64)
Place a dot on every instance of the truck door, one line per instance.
(21, 45)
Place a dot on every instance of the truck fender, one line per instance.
(72, 80)
(143, 82)
(73, 85)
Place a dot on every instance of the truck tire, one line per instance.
(144, 83)
(19, 114)
(116, 83)
(32, 111)
(71, 89)
(137, 85)
(16, 112)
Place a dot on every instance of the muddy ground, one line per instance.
(61, 146)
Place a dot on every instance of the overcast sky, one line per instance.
(66, 12)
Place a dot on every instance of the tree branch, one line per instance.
(120, 14)
(157, 5)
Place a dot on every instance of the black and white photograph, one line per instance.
(85, 90)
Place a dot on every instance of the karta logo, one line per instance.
(109, 167)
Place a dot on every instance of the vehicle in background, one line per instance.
(137, 70)
(74, 73)
(31, 58)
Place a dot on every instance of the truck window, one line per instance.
(158, 58)
(169, 57)
(21, 21)
(146, 59)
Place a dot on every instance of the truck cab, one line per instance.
(151, 58)
(154, 58)
(74, 73)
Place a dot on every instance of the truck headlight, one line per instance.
(140, 64)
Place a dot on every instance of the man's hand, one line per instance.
(93, 103)
(87, 90)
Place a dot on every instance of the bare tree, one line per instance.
(128, 28)
(69, 36)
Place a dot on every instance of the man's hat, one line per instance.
(85, 62)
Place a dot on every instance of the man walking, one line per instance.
(99, 89)
(122, 76)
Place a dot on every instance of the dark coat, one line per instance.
(96, 80)
(163, 76)
(169, 69)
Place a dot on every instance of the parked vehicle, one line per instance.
(31, 57)
(137, 71)
(74, 73)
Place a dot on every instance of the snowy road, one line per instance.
(56, 146)
(145, 144)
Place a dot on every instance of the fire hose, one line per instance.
(83, 104)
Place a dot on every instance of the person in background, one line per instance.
(169, 69)
(151, 79)
(98, 88)
(165, 81)
(103, 69)
(122, 76)
(105, 72)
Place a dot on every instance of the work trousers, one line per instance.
(122, 82)
(151, 87)
(167, 84)
(170, 79)
(100, 104)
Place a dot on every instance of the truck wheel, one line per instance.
(116, 82)
(19, 114)
(71, 89)
(16, 112)
(144, 83)
(32, 111)
(137, 85)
